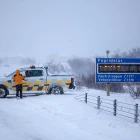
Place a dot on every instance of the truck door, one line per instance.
(37, 80)
(26, 82)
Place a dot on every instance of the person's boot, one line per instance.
(16, 95)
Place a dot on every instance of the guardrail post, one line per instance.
(115, 107)
(86, 98)
(98, 102)
(136, 114)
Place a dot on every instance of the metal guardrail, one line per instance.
(113, 106)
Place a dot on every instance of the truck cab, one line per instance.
(37, 80)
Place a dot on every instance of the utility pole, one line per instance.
(108, 84)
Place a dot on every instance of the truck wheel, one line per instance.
(3, 91)
(56, 90)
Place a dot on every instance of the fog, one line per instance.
(37, 29)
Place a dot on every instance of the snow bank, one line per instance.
(54, 117)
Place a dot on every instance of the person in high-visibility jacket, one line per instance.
(17, 78)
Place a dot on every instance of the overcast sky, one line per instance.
(68, 27)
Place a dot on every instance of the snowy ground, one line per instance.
(62, 117)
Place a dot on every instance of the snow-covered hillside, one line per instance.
(6, 70)
(55, 58)
(10, 64)
(62, 117)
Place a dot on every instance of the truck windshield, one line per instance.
(11, 74)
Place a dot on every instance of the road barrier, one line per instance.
(113, 106)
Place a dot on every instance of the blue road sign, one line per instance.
(117, 70)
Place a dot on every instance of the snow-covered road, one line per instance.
(60, 117)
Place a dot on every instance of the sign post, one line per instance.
(108, 84)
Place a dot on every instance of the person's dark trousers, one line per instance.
(19, 89)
